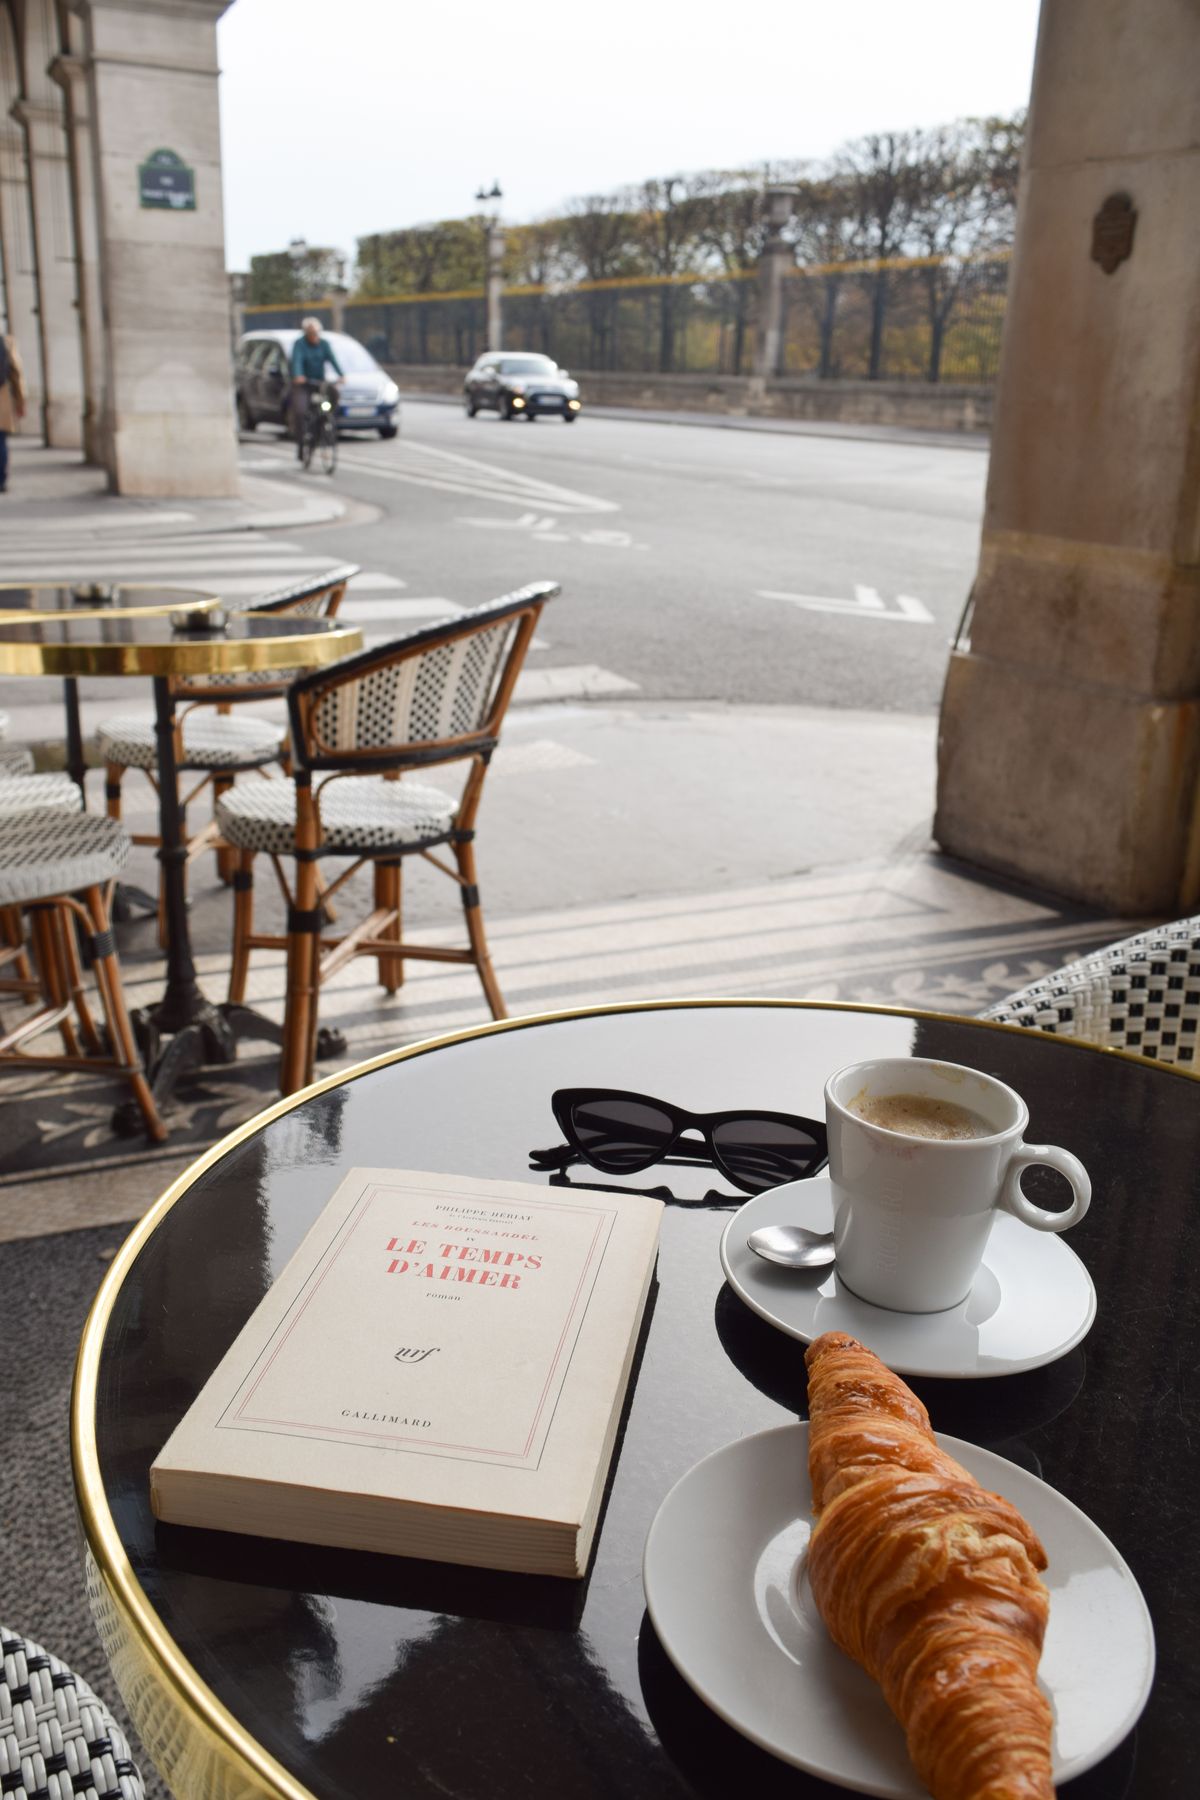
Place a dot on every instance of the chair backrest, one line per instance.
(1140, 994)
(316, 598)
(432, 696)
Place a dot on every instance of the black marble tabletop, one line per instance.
(368, 1676)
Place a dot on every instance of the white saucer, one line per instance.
(1033, 1300)
(737, 1618)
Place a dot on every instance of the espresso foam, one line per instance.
(921, 1115)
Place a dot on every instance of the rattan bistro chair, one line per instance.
(210, 738)
(1141, 994)
(436, 696)
(57, 1740)
(60, 867)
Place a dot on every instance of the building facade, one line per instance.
(112, 249)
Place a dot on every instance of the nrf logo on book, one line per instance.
(416, 1356)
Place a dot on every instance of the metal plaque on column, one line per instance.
(164, 180)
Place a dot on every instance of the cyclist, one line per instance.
(310, 353)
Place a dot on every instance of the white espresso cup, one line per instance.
(912, 1214)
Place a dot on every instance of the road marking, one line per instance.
(866, 604)
(415, 608)
(543, 529)
(456, 474)
(360, 583)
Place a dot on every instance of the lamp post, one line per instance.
(780, 203)
(493, 267)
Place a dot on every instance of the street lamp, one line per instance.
(493, 266)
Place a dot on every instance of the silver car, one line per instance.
(521, 386)
(368, 398)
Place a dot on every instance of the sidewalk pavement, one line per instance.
(53, 490)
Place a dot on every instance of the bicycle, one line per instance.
(320, 427)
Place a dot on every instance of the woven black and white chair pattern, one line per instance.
(59, 868)
(15, 759)
(213, 740)
(1141, 994)
(367, 729)
(58, 1741)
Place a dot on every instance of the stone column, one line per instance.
(54, 248)
(70, 73)
(16, 258)
(1070, 731)
(777, 257)
(495, 286)
(168, 425)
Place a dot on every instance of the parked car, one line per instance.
(368, 398)
(517, 386)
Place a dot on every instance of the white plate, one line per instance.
(734, 1612)
(1033, 1300)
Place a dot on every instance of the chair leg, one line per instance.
(112, 994)
(464, 855)
(48, 954)
(68, 934)
(388, 889)
(300, 1017)
(243, 924)
(227, 860)
(12, 935)
(113, 776)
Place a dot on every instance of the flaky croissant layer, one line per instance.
(928, 1581)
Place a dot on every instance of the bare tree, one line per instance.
(881, 177)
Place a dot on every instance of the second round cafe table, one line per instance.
(261, 1668)
(205, 641)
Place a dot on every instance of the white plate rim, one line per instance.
(902, 1365)
(968, 1454)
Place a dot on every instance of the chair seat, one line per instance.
(56, 1737)
(26, 793)
(15, 759)
(358, 813)
(52, 851)
(211, 740)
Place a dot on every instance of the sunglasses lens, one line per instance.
(620, 1135)
(762, 1153)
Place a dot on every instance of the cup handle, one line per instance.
(1046, 1156)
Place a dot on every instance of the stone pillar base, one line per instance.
(173, 455)
(1086, 790)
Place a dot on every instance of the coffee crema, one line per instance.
(921, 1115)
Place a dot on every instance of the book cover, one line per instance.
(438, 1371)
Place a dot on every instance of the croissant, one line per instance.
(928, 1581)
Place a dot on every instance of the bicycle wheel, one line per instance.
(328, 445)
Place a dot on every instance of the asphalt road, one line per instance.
(744, 567)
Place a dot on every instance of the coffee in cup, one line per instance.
(922, 1155)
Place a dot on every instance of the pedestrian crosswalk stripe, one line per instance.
(357, 610)
(373, 579)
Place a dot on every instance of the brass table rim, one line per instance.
(188, 600)
(189, 656)
(204, 1711)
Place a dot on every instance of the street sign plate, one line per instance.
(164, 180)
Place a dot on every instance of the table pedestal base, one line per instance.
(198, 1036)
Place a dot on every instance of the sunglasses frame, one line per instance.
(564, 1099)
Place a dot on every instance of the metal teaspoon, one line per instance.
(792, 1245)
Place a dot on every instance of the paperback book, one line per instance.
(438, 1372)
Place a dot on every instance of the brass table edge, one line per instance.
(312, 650)
(226, 1737)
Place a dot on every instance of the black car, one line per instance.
(520, 386)
(368, 398)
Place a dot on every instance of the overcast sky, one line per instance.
(343, 117)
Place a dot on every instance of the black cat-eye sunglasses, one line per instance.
(621, 1133)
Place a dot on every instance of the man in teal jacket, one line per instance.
(310, 353)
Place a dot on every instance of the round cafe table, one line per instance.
(88, 600)
(265, 1668)
(195, 641)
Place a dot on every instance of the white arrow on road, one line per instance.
(866, 604)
